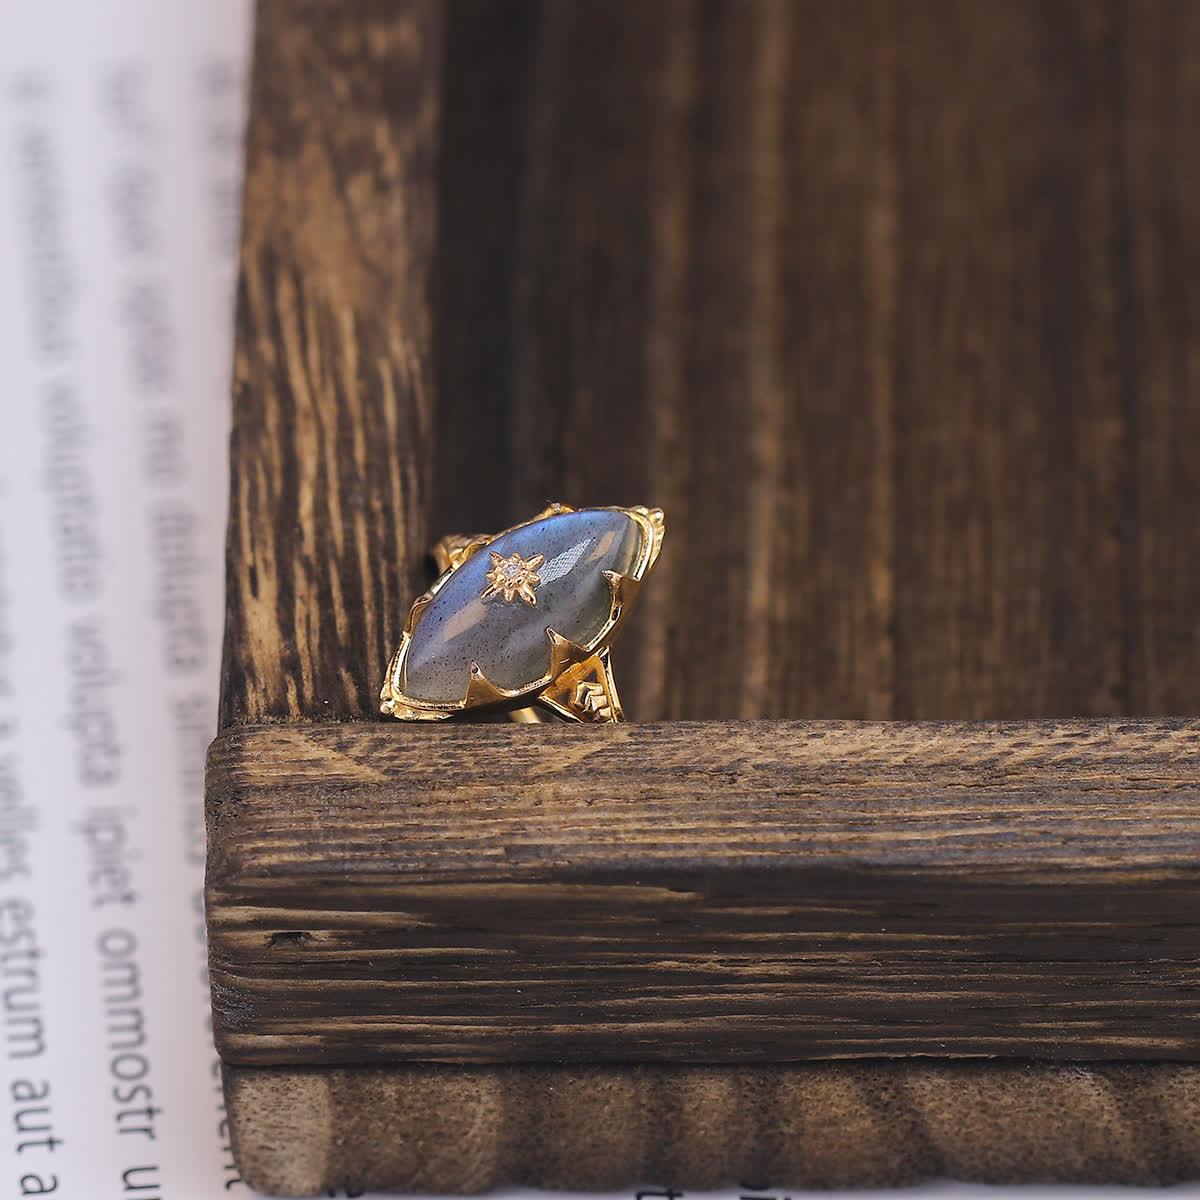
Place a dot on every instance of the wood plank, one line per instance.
(331, 448)
(1011, 485)
(770, 891)
(1161, 368)
(473, 306)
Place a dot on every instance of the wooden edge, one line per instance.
(1039, 795)
(305, 1132)
(728, 892)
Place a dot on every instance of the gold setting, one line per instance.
(585, 691)
(579, 684)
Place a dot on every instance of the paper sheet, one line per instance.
(118, 218)
(120, 127)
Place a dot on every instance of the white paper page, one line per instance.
(120, 133)
(120, 129)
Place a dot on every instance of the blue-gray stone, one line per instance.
(508, 638)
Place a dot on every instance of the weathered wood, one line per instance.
(768, 891)
(813, 1125)
(331, 451)
(889, 307)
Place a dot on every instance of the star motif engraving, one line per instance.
(513, 576)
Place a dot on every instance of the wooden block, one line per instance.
(765, 891)
(887, 307)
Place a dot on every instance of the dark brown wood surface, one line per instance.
(331, 453)
(723, 891)
(890, 308)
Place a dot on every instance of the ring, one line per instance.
(525, 617)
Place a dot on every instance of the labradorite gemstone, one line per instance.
(508, 638)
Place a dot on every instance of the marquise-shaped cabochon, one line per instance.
(508, 638)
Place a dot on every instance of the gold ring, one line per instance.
(529, 622)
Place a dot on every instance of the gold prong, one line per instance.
(564, 653)
(387, 693)
(454, 549)
(481, 690)
(658, 524)
(419, 604)
(585, 692)
(476, 544)
(624, 591)
(553, 509)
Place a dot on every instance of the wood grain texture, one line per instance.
(889, 308)
(1161, 310)
(769, 891)
(818, 1125)
(328, 519)
(738, 290)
